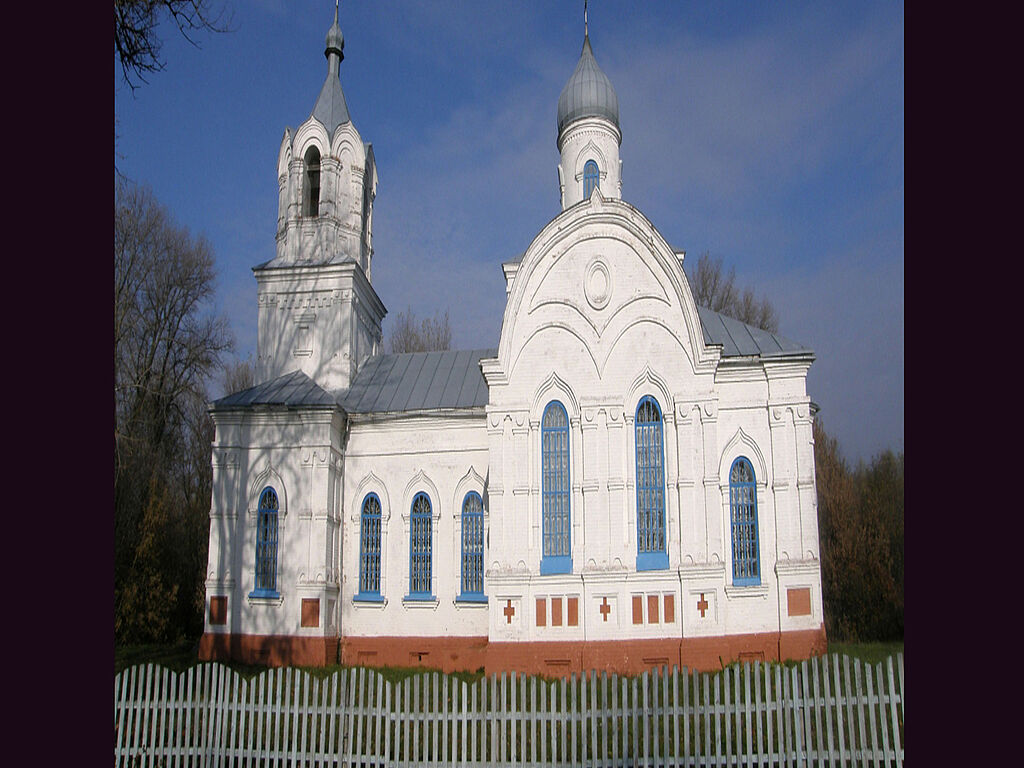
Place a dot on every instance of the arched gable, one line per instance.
(284, 156)
(648, 382)
(347, 137)
(599, 271)
(591, 152)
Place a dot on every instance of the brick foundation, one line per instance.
(551, 659)
(271, 650)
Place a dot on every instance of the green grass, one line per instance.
(181, 656)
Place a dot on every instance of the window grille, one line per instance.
(473, 545)
(312, 201)
(651, 549)
(556, 556)
(266, 543)
(746, 565)
(369, 547)
(591, 179)
(420, 547)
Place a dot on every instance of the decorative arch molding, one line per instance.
(471, 481)
(284, 157)
(597, 217)
(311, 134)
(370, 484)
(591, 152)
(346, 137)
(421, 482)
(268, 476)
(648, 382)
(565, 327)
(554, 388)
(742, 444)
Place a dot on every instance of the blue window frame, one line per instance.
(557, 535)
(746, 559)
(369, 550)
(266, 545)
(651, 547)
(473, 548)
(420, 548)
(591, 179)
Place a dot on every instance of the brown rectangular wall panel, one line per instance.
(311, 612)
(638, 609)
(556, 611)
(652, 609)
(799, 601)
(542, 612)
(219, 610)
(670, 609)
(573, 619)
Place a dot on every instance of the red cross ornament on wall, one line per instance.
(702, 605)
(509, 611)
(605, 609)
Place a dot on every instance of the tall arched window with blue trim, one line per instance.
(369, 549)
(651, 545)
(591, 179)
(472, 548)
(266, 544)
(421, 548)
(556, 556)
(746, 557)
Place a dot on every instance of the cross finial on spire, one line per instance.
(585, 34)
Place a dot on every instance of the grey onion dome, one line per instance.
(588, 93)
(335, 40)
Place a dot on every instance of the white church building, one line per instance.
(626, 481)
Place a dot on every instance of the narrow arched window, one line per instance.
(311, 197)
(651, 548)
(472, 546)
(369, 548)
(746, 560)
(420, 548)
(556, 555)
(266, 543)
(591, 179)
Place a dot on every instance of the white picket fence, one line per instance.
(827, 711)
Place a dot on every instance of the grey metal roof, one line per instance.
(415, 381)
(741, 340)
(588, 93)
(292, 390)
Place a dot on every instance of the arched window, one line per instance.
(420, 548)
(266, 544)
(311, 196)
(746, 560)
(591, 179)
(556, 555)
(369, 549)
(472, 546)
(651, 549)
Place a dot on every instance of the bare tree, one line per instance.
(716, 290)
(239, 375)
(166, 347)
(428, 336)
(135, 39)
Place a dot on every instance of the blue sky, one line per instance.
(769, 134)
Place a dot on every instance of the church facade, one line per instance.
(626, 481)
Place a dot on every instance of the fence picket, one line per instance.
(748, 713)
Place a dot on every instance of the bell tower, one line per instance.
(317, 309)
